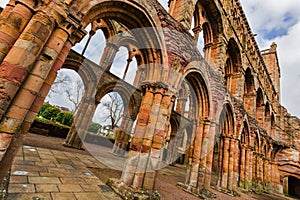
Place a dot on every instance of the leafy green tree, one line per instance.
(94, 127)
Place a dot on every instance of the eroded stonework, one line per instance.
(220, 108)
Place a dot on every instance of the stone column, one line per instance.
(149, 137)
(266, 174)
(230, 164)
(260, 172)
(236, 163)
(242, 166)
(247, 169)
(108, 56)
(286, 186)
(250, 169)
(210, 152)
(86, 120)
(123, 136)
(224, 176)
(20, 59)
(21, 113)
(204, 152)
(220, 161)
(144, 157)
(13, 20)
(181, 102)
(194, 168)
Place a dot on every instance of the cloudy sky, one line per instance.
(274, 21)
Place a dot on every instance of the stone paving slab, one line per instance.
(44, 174)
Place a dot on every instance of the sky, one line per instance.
(273, 21)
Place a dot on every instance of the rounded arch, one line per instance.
(87, 72)
(139, 22)
(249, 82)
(273, 125)
(207, 12)
(259, 106)
(131, 101)
(267, 119)
(232, 66)
(207, 24)
(199, 95)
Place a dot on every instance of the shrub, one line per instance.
(94, 127)
(44, 107)
(50, 112)
(65, 118)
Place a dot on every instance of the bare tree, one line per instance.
(75, 93)
(65, 85)
(115, 108)
(61, 79)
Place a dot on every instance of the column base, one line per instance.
(4, 186)
(201, 193)
(127, 192)
(71, 146)
(232, 193)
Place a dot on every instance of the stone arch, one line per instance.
(259, 106)
(273, 125)
(200, 113)
(207, 18)
(222, 167)
(207, 11)
(249, 92)
(233, 67)
(293, 186)
(267, 118)
(249, 82)
(137, 21)
(129, 98)
(255, 160)
(244, 154)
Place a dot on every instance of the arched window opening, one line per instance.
(233, 67)
(109, 113)
(259, 106)
(243, 154)
(202, 31)
(92, 45)
(222, 153)
(273, 125)
(255, 164)
(267, 120)
(130, 73)
(294, 186)
(249, 82)
(249, 92)
(125, 65)
(66, 91)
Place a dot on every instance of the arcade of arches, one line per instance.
(221, 110)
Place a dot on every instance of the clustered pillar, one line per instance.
(145, 155)
(26, 68)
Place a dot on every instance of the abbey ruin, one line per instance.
(219, 107)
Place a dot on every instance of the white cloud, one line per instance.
(3, 3)
(279, 21)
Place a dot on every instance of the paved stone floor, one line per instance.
(44, 174)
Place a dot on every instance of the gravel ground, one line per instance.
(166, 179)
